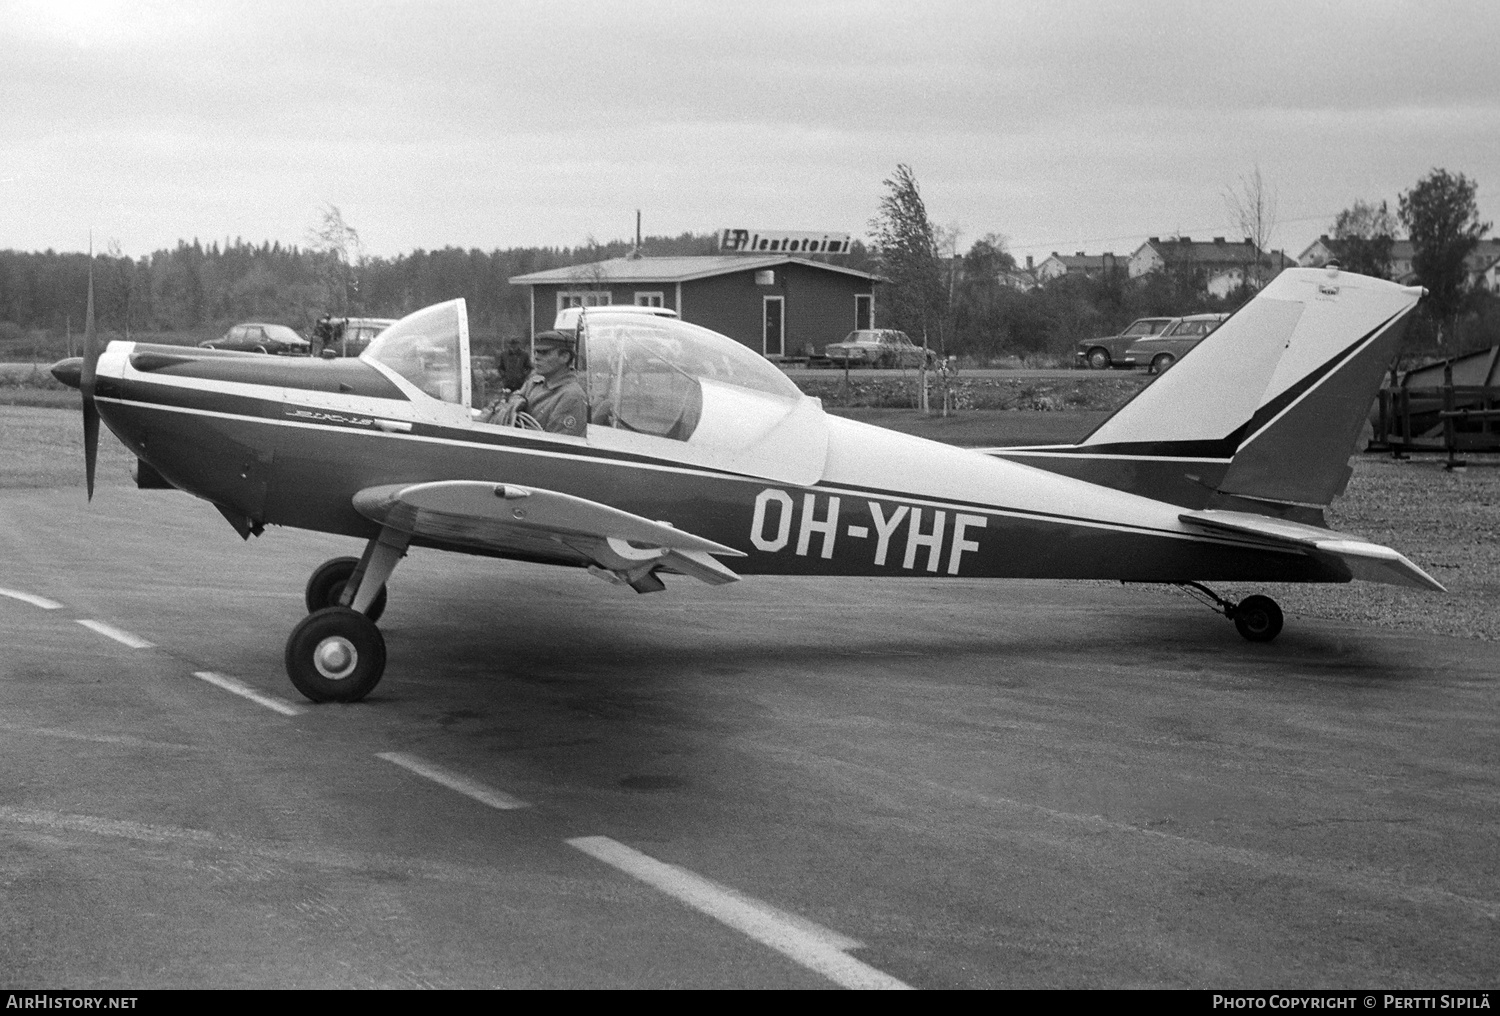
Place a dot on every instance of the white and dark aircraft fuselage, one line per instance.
(704, 461)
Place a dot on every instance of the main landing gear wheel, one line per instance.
(1258, 618)
(1099, 359)
(327, 584)
(335, 655)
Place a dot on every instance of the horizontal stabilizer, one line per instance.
(530, 522)
(1369, 561)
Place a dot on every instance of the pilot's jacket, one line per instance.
(559, 406)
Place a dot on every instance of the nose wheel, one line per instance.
(335, 653)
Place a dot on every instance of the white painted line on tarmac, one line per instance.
(453, 781)
(811, 945)
(118, 634)
(57, 820)
(243, 690)
(31, 598)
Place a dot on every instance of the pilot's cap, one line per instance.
(555, 340)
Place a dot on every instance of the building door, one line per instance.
(775, 326)
(864, 311)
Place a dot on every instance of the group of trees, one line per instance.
(1440, 216)
(961, 306)
(956, 304)
(197, 291)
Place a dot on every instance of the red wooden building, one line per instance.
(776, 304)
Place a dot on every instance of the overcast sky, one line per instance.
(1063, 126)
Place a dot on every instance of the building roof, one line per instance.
(683, 268)
(1087, 262)
(1213, 253)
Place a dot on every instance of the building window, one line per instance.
(864, 311)
(648, 299)
(582, 298)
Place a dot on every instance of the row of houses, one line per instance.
(1483, 263)
(1223, 265)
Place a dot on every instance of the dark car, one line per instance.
(877, 347)
(254, 337)
(1106, 352)
(1159, 352)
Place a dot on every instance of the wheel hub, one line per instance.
(335, 658)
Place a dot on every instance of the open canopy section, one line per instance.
(660, 377)
(429, 349)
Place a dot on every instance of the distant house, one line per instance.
(1023, 279)
(1483, 263)
(1087, 265)
(1222, 265)
(1227, 281)
(776, 304)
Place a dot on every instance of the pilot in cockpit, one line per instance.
(553, 396)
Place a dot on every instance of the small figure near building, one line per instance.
(514, 365)
(322, 335)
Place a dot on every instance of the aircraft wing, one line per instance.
(531, 522)
(1368, 561)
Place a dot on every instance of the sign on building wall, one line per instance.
(780, 241)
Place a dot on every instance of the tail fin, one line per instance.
(1261, 415)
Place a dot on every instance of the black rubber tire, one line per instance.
(1258, 618)
(1162, 363)
(327, 583)
(335, 655)
(1099, 359)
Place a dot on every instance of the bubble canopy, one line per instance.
(663, 376)
(654, 385)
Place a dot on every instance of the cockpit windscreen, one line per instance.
(426, 348)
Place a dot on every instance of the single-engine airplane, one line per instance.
(703, 460)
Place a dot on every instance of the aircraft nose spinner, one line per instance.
(69, 371)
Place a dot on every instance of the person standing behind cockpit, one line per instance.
(514, 365)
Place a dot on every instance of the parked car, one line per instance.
(254, 337)
(1106, 352)
(877, 347)
(346, 336)
(1159, 352)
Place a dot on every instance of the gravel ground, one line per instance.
(1447, 523)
